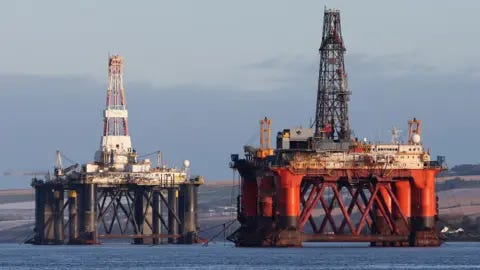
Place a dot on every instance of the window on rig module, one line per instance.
(283, 139)
(294, 138)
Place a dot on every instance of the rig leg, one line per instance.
(88, 228)
(48, 225)
(288, 201)
(39, 215)
(58, 220)
(381, 218)
(155, 216)
(249, 201)
(143, 215)
(40, 200)
(172, 214)
(247, 234)
(423, 222)
(188, 214)
(265, 209)
(73, 217)
(403, 193)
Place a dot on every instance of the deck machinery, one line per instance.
(118, 195)
(320, 184)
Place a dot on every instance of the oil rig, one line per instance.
(322, 185)
(118, 195)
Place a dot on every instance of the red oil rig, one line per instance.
(320, 184)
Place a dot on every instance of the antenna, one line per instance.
(395, 135)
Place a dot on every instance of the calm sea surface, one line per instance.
(225, 256)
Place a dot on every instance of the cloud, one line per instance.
(389, 89)
(205, 124)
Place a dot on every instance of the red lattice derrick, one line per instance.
(370, 208)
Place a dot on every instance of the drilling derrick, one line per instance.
(321, 185)
(118, 195)
(115, 145)
(116, 123)
(331, 119)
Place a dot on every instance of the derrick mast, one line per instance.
(115, 144)
(331, 119)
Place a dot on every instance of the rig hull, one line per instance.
(282, 206)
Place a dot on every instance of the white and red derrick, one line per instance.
(115, 144)
(116, 114)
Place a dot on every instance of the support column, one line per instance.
(138, 214)
(287, 185)
(58, 219)
(188, 213)
(403, 194)
(49, 231)
(45, 215)
(288, 198)
(172, 213)
(248, 233)
(404, 197)
(155, 216)
(265, 203)
(142, 215)
(73, 217)
(89, 223)
(382, 219)
(386, 201)
(424, 209)
(161, 207)
(39, 237)
(248, 201)
(424, 200)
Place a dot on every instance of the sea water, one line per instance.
(226, 256)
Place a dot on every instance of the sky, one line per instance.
(200, 74)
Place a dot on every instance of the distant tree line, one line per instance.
(457, 182)
(466, 169)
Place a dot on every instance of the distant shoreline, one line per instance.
(17, 191)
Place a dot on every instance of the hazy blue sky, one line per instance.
(199, 74)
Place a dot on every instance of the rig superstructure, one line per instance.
(118, 195)
(320, 184)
